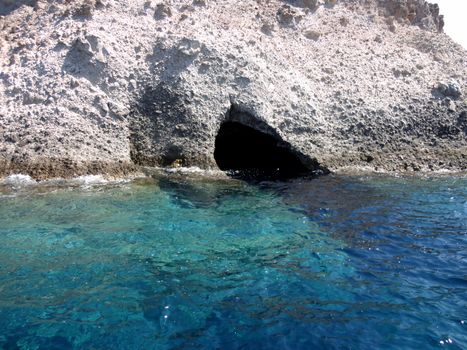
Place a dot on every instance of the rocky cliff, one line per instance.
(106, 86)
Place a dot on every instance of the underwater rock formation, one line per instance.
(107, 86)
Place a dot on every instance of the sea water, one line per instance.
(171, 263)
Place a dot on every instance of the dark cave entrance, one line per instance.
(250, 153)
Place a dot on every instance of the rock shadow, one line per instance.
(161, 124)
(249, 148)
(8, 6)
(170, 62)
(86, 58)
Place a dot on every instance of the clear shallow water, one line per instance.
(330, 263)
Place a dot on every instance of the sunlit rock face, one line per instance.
(108, 86)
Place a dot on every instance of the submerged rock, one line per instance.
(99, 86)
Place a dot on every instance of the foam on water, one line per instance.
(188, 170)
(191, 171)
(17, 180)
(88, 180)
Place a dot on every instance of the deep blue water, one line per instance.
(329, 263)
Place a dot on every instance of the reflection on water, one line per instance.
(332, 263)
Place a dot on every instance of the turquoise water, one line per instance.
(328, 263)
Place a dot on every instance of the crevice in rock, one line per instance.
(247, 147)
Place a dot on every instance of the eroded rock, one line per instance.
(288, 16)
(448, 89)
(162, 11)
(144, 83)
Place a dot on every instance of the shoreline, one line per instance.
(45, 169)
(21, 181)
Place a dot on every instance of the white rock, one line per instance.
(335, 93)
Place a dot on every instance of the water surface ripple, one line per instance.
(330, 263)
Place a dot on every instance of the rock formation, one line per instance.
(106, 86)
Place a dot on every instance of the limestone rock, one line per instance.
(448, 89)
(417, 12)
(309, 4)
(162, 11)
(312, 34)
(288, 16)
(108, 86)
(199, 2)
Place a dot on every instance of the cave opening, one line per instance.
(250, 153)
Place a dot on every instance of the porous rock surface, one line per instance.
(105, 86)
